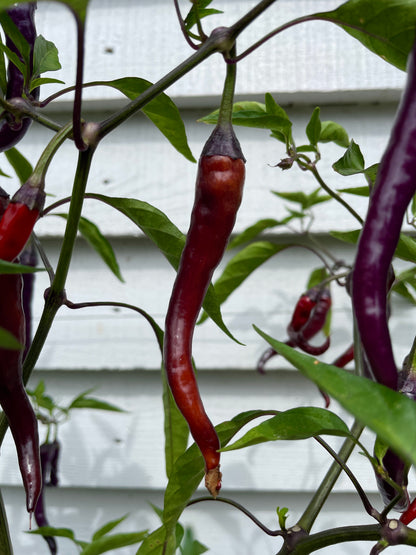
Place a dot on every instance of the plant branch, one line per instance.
(321, 495)
(333, 194)
(241, 508)
(363, 496)
(76, 113)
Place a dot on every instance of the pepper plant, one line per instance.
(387, 28)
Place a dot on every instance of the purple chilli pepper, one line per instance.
(48, 454)
(394, 188)
(12, 131)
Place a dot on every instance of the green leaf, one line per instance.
(57, 532)
(14, 268)
(293, 424)
(241, 266)
(371, 174)
(386, 27)
(167, 237)
(11, 30)
(20, 164)
(162, 111)
(44, 81)
(305, 201)
(313, 129)
(282, 514)
(254, 114)
(91, 403)
(391, 415)
(334, 133)
(191, 546)
(98, 242)
(108, 543)
(199, 9)
(317, 276)
(363, 191)
(84, 402)
(256, 229)
(175, 427)
(9, 341)
(45, 56)
(14, 58)
(352, 162)
(405, 250)
(186, 475)
(3, 73)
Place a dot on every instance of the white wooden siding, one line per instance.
(113, 464)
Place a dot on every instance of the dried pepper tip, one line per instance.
(213, 481)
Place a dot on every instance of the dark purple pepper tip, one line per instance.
(32, 197)
(223, 142)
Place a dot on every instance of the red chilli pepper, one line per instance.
(410, 514)
(219, 188)
(13, 397)
(18, 220)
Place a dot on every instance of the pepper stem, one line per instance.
(37, 179)
(226, 108)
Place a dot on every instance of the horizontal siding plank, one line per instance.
(143, 39)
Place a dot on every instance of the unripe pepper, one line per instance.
(12, 131)
(218, 194)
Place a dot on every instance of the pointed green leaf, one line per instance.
(334, 133)
(20, 164)
(313, 129)
(391, 415)
(363, 191)
(191, 546)
(57, 532)
(293, 424)
(167, 237)
(14, 268)
(44, 81)
(3, 73)
(386, 27)
(304, 200)
(352, 162)
(108, 543)
(92, 403)
(162, 111)
(175, 426)
(45, 56)
(9, 341)
(11, 30)
(256, 229)
(241, 266)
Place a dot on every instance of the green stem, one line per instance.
(208, 48)
(321, 495)
(226, 108)
(249, 17)
(76, 113)
(6, 547)
(334, 536)
(333, 194)
(37, 179)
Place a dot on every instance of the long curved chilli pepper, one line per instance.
(13, 397)
(12, 131)
(218, 194)
(18, 220)
(394, 188)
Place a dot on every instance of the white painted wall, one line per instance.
(114, 464)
